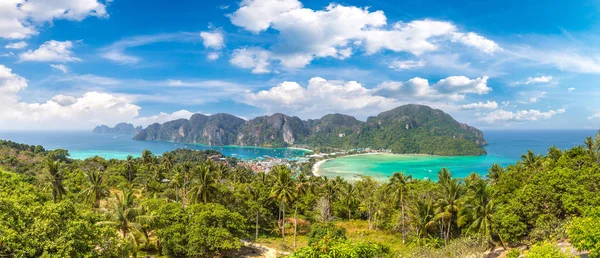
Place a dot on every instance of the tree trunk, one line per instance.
(176, 194)
(370, 216)
(402, 218)
(295, 224)
(256, 233)
(349, 213)
(283, 222)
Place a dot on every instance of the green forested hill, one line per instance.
(406, 129)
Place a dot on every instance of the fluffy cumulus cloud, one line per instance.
(51, 51)
(480, 105)
(319, 97)
(339, 31)
(406, 65)
(61, 111)
(66, 111)
(213, 39)
(451, 88)
(16, 45)
(19, 18)
(256, 59)
(519, 116)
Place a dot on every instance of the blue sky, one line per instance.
(72, 64)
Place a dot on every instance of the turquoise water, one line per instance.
(505, 147)
(83, 145)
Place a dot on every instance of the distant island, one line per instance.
(414, 129)
(121, 128)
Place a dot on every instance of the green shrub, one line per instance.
(327, 231)
(545, 250)
(513, 253)
(585, 233)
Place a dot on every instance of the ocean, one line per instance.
(504, 147)
(82, 145)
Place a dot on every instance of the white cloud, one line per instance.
(213, 56)
(116, 51)
(534, 80)
(451, 88)
(319, 97)
(340, 31)
(406, 65)
(213, 40)
(16, 45)
(61, 111)
(481, 105)
(51, 51)
(19, 18)
(571, 89)
(162, 117)
(519, 116)
(257, 15)
(256, 59)
(594, 116)
(61, 67)
(477, 41)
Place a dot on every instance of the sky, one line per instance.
(74, 64)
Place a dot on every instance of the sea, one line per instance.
(82, 145)
(504, 147)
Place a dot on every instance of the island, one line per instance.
(408, 129)
(121, 128)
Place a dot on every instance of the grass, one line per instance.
(356, 231)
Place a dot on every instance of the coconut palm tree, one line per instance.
(130, 171)
(124, 215)
(398, 184)
(283, 190)
(203, 185)
(167, 161)
(95, 190)
(494, 173)
(422, 216)
(476, 213)
(56, 176)
(302, 187)
(531, 161)
(176, 180)
(348, 196)
(448, 207)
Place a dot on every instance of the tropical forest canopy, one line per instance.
(199, 204)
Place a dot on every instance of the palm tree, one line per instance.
(367, 188)
(123, 216)
(56, 177)
(330, 188)
(397, 184)
(146, 157)
(204, 184)
(423, 216)
(96, 190)
(167, 161)
(348, 194)
(130, 169)
(303, 186)
(494, 173)
(476, 214)
(448, 206)
(283, 190)
(531, 161)
(176, 180)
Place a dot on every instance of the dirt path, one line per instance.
(264, 251)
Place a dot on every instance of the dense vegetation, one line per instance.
(405, 129)
(196, 204)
